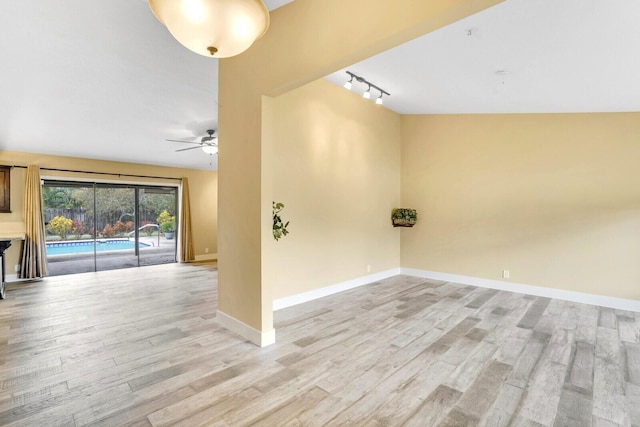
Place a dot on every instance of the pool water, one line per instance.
(64, 248)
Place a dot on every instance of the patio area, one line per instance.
(159, 251)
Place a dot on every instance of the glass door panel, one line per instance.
(115, 246)
(69, 223)
(158, 225)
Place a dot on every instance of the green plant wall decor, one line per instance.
(403, 217)
(279, 228)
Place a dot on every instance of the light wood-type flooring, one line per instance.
(142, 347)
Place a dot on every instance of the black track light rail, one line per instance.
(360, 79)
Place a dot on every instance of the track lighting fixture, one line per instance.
(367, 93)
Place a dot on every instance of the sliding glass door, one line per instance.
(97, 226)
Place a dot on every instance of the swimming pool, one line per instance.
(64, 248)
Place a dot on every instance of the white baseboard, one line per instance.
(261, 339)
(292, 300)
(13, 278)
(581, 297)
(206, 257)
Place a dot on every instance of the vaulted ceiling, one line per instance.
(521, 56)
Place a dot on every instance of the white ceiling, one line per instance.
(106, 80)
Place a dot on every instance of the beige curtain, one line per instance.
(187, 252)
(34, 256)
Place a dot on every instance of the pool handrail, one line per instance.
(129, 234)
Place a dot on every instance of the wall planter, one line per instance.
(403, 217)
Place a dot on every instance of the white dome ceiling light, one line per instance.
(213, 28)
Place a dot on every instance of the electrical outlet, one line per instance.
(505, 274)
(206, 250)
(16, 268)
(368, 268)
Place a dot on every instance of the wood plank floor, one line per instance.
(142, 347)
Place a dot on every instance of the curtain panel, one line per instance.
(34, 253)
(187, 253)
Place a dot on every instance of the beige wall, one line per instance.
(308, 39)
(554, 199)
(202, 189)
(336, 163)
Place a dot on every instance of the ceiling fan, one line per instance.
(209, 144)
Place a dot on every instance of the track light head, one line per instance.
(379, 100)
(367, 94)
(349, 84)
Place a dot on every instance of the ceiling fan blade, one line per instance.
(184, 142)
(190, 148)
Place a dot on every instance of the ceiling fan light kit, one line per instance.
(213, 28)
(210, 149)
(367, 94)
